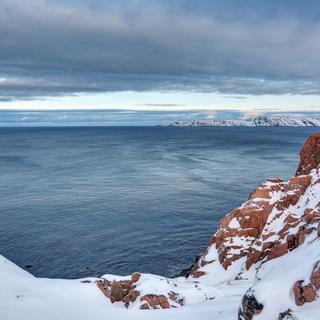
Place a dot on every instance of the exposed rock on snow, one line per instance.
(251, 122)
(262, 263)
(125, 291)
(249, 306)
(286, 315)
(309, 155)
(278, 218)
(146, 291)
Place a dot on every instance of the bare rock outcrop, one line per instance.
(249, 306)
(147, 291)
(278, 218)
(309, 155)
(126, 292)
(307, 292)
(275, 220)
(120, 291)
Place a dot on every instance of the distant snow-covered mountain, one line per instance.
(251, 122)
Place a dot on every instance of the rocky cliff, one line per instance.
(266, 240)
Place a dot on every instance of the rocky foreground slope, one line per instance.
(251, 122)
(263, 262)
(274, 240)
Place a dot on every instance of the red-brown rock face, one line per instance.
(309, 155)
(151, 292)
(276, 219)
(120, 291)
(307, 292)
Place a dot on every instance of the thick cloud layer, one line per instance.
(51, 48)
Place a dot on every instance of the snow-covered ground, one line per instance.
(24, 297)
(275, 279)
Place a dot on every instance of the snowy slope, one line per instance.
(24, 297)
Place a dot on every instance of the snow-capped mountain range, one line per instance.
(251, 122)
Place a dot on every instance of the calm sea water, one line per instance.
(87, 201)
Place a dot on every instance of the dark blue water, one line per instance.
(86, 201)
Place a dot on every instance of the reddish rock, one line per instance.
(291, 218)
(255, 218)
(303, 232)
(144, 306)
(197, 274)
(275, 180)
(253, 232)
(119, 290)
(287, 201)
(309, 155)
(256, 225)
(163, 301)
(292, 242)
(311, 216)
(276, 187)
(277, 250)
(263, 193)
(315, 276)
(235, 247)
(227, 262)
(298, 293)
(253, 257)
(155, 301)
(267, 245)
(285, 228)
(219, 238)
(104, 286)
(131, 297)
(222, 253)
(298, 182)
(309, 292)
(303, 294)
(268, 235)
(283, 235)
(224, 222)
(135, 277)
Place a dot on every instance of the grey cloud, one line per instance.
(62, 48)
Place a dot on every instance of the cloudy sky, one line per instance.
(160, 55)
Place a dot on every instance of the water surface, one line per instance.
(87, 201)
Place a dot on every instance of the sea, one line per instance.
(88, 201)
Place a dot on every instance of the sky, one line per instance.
(247, 56)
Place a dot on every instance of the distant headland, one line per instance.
(250, 122)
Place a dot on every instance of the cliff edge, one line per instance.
(273, 239)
